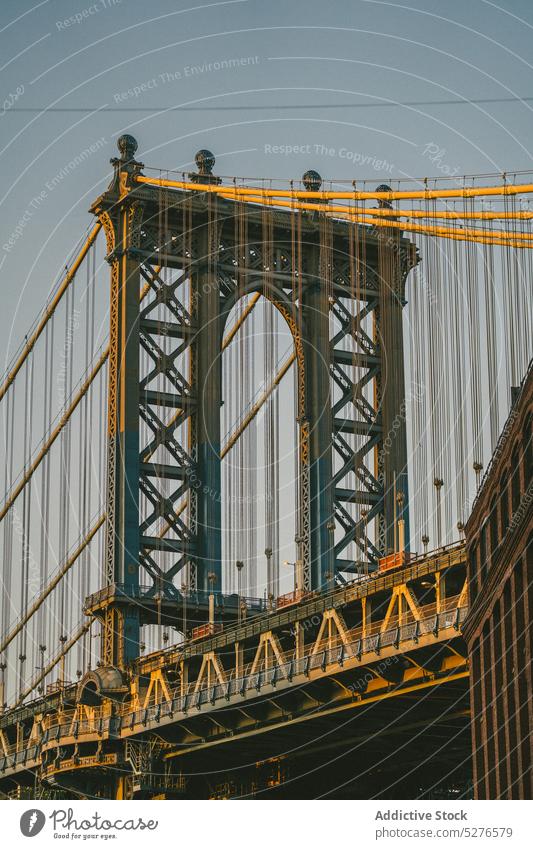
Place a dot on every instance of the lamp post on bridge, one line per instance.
(364, 516)
(298, 573)
(211, 578)
(184, 591)
(401, 522)
(240, 566)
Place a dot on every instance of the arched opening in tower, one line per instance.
(260, 465)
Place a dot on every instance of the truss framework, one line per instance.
(358, 646)
(341, 294)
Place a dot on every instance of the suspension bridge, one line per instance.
(236, 481)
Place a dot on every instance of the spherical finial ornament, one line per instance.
(312, 181)
(205, 161)
(128, 146)
(384, 204)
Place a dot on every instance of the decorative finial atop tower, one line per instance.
(312, 181)
(205, 161)
(384, 204)
(127, 146)
(125, 165)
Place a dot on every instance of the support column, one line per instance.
(184, 678)
(127, 440)
(124, 788)
(366, 616)
(208, 365)
(239, 660)
(392, 454)
(440, 592)
(315, 307)
(299, 640)
(121, 215)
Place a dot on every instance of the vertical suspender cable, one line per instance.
(492, 343)
(475, 355)
(25, 576)
(7, 541)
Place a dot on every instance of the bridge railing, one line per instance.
(336, 651)
(256, 605)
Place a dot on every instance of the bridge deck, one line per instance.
(304, 664)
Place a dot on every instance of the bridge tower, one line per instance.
(180, 261)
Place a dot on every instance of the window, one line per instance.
(473, 571)
(494, 538)
(527, 448)
(515, 479)
(504, 501)
(483, 565)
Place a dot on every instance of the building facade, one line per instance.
(499, 536)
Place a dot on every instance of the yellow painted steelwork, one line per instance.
(82, 391)
(369, 217)
(250, 416)
(241, 319)
(337, 653)
(66, 647)
(53, 583)
(50, 309)
(425, 194)
(447, 214)
(299, 200)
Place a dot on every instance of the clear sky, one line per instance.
(305, 70)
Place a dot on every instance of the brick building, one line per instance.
(499, 536)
